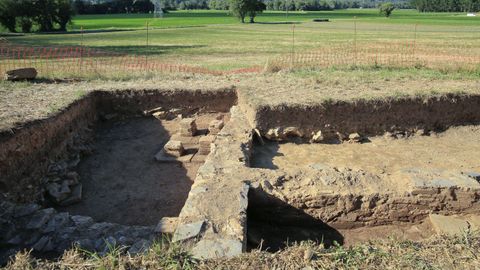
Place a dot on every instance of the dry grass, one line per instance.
(448, 43)
(439, 252)
(21, 101)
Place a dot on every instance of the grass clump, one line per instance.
(439, 252)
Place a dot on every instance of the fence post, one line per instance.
(81, 52)
(146, 53)
(415, 42)
(355, 40)
(293, 46)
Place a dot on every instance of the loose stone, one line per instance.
(188, 127)
(206, 144)
(174, 148)
(215, 127)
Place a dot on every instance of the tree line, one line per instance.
(47, 15)
(143, 6)
(113, 7)
(447, 5)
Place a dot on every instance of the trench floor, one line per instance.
(457, 149)
(123, 183)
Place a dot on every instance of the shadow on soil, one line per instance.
(273, 224)
(145, 50)
(122, 183)
(278, 22)
(263, 155)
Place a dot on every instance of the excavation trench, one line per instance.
(96, 163)
(307, 177)
(348, 173)
(358, 191)
(123, 183)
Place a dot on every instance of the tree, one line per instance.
(8, 10)
(242, 8)
(255, 7)
(386, 9)
(239, 9)
(45, 14)
(63, 14)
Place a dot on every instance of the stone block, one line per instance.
(163, 157)
(58, 192)
(161, 115)
(174, 148)
(21, 74)
(188, 142)
(139, 247)
(25, 210)
(152, 111)
(167, 225)
(74, 197)
(188, 127)
(206, 144)
(82, 221)
(215, 127)
(317, 137)
(40, 218)
(56, 222)
(187, 231)
(44, 244)
(218, 248)
(355, 138)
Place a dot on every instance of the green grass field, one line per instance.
(208, 17)
(213, 39)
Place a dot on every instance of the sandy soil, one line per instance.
(122, 182)
(402, 232)
(457, 149)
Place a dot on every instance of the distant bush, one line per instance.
(386, 9)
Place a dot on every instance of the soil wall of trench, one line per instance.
(26, 151)
(366, 117)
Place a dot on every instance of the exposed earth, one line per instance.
(457, 149)
(261, 171)
(122, 181)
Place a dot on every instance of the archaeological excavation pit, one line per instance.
(440, 169)
(227, 176)
(122, 180)
(324, 181)
(100, 172)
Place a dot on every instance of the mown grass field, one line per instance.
(215, 40)
(207, 17)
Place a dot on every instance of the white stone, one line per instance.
(317, 137)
